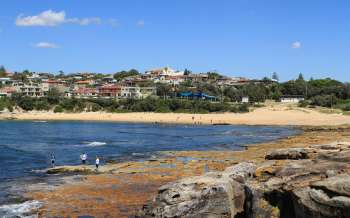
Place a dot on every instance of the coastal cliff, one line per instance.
(295, 182)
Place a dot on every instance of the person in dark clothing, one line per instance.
(53, 160)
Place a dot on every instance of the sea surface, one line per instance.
(25, 146)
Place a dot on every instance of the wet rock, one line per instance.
(70, 169)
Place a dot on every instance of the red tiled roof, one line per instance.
(86, 90)
(82, 82)
(8, 89)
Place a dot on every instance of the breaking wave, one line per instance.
(95, 144)
(28, 209)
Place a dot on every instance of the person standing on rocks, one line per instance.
(83, 158)
(97, 162)
(53, 160)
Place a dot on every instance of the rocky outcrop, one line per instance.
(212, 195)
(291, 183)
(292, 153)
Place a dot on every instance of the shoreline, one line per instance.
(277, 115)
(125, 187)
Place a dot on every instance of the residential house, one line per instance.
(111, 91)
(245, 99)
(109, 79)
(59, 85)
(137, 92)
(201, 77)
(29, 89)
(6, 81)
(86, 93)
(165, 71)
(291, 98)
(83, 84)
(7, 91)
(231, 81)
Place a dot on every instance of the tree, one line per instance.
(60, 74)
(213, 75)
(20, 77)
(275, 76)
(27, 103)
(122, 74)
(301, 77)
(187, 72)
(2, 71)
(53, 96)
(163, 90)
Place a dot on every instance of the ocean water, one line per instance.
(25, 146)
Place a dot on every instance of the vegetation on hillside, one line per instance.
(150, 104)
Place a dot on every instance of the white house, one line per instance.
(291, 98)
(245, 99)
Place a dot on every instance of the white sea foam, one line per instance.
(137, 154)
(95, 144)
(28, 209)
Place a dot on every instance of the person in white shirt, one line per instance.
(83, 158)
(97, 162)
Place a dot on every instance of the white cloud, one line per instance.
(296, 45)
(140, 23)
(84, 21)
(46, 18)
(52, 18)
(45, 45)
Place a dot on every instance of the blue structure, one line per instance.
(198, 95)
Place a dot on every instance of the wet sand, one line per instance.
(120, 190)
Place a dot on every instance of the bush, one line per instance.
(42, 104)
(58, 109)
(96, 107)
(163, 109)
(345, 107)
(27, 103)
(303, 103)
(6, 103)
(324, 100)
(243, 108)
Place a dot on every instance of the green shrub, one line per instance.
(42, 104)
(324, 100)
(96, 107)
(58, 109)
(303, 103)
(27, 103)
(243, 108)
(345, 107)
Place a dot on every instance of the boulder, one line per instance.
(211, 195)
(291, 153)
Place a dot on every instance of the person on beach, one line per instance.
(97, 162)
(83, 158)
(53, 160)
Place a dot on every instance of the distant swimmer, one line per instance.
(53, 160)
(83, 158)
(97, 162)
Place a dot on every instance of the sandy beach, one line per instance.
(272, 114)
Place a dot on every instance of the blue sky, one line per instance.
(250, 38)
